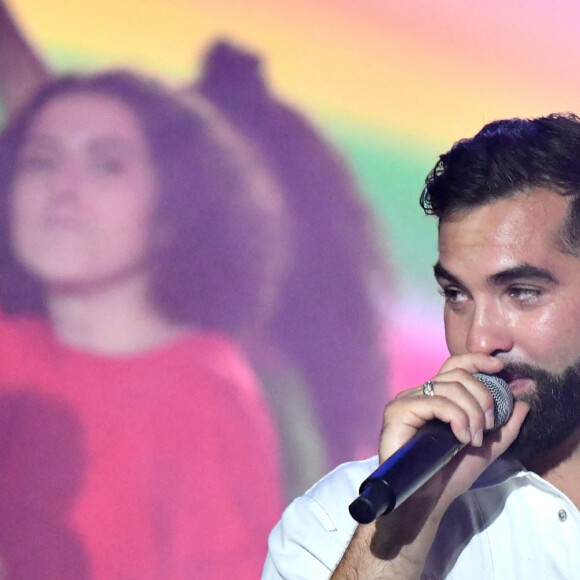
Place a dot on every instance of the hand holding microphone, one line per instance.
(429, 450)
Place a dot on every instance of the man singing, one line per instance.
(506, 507)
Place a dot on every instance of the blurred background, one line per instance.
(390, 85)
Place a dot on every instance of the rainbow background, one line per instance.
(391, 83)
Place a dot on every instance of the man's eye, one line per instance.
(453, 295)
(524, 294)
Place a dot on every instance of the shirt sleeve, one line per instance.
(315, 529)
(300, 545)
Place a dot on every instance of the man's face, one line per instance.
(511, 291)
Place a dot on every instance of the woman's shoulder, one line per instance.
(22, 331)
(196, 361)
(24, 341)
(215, 352)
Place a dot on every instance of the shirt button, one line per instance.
(562, 515)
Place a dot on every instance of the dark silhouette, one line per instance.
(329, 322)
(42, 465)
(22, 69)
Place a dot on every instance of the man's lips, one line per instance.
(520, 385)
(517, 382)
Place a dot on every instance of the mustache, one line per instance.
(548, 384)
(516, 370)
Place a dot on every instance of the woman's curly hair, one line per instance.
(218, 244)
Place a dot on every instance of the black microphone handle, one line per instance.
(430, 449)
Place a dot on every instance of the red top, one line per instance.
(161, 465)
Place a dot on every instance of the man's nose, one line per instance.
(489, 331)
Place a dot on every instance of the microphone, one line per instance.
(431, 448)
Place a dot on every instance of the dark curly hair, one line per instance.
(222, 215)
(507, 157)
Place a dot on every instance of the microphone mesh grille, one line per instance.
(502, 397)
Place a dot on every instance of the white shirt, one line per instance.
(511, 524)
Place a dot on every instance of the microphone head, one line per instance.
(502, 397)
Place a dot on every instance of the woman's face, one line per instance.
(84, 194)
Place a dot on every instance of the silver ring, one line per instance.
(428, 388)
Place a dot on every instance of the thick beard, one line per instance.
(554, 409)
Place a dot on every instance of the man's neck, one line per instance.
(561, 466)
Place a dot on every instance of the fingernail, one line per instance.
(489, 419)
(477, 438)
(467, 437)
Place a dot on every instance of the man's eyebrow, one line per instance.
(441, 272)
(523, 271)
